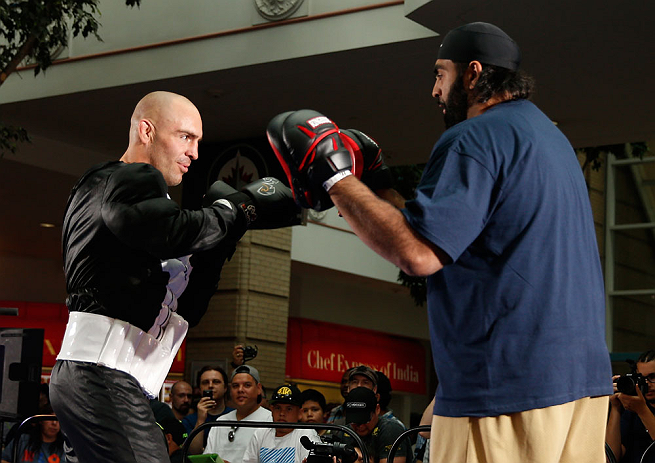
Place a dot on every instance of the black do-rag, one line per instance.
(482, 42)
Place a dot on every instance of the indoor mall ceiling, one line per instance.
(593, 62)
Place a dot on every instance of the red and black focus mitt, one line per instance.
(315, 154)
(369, 160)
(312, 154)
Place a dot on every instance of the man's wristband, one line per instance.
(329, 183)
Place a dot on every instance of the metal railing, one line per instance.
(270, 424)
(21, 429)
(405, 435)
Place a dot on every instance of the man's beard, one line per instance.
(184, 409)
(456, 104)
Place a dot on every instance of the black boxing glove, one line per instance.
(369, 161)
(312, 154)
(264, 204)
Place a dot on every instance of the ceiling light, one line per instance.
(46, 225)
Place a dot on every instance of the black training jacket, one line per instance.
(118, 227)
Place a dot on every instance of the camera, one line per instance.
(320, 452)
(208, 393)
(249, 353)
(628, 383)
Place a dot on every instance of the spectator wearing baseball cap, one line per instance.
(281, 444)
(363, 376)
(359, 376)
(246, 391)
(376, 432)
(175, 434)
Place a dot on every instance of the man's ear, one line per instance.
(472, 74)
(146, 131)
(169, 438)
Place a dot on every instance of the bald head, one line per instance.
(180, 385)
(165, 130)
(159, 107)
(181, 395)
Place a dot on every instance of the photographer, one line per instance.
(241, 354)
(377, 432)
(631, 424)
(212, 381)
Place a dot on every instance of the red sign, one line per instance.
(323, 351)
(52, 318)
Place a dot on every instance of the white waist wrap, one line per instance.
(116, 344)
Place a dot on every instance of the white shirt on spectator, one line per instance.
(264, 447)
(218, 442)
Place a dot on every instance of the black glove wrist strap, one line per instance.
(244, 205)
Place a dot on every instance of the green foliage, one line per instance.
(621, 151)
(418, 287)
(406, 178)
(10, 136)
(34, 29)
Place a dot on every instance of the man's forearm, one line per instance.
(613, 433)
(195, 447)
(383, 228)
(426, 418)
(648, 419)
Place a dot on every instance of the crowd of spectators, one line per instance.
(239, 396)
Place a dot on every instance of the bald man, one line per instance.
(181, 395)
(129, 254)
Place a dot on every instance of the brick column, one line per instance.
(250, 307)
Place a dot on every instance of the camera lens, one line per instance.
(626, 385)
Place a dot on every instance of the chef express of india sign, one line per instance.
(323, 351)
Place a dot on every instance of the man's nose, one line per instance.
(193, 151)
(436, 90)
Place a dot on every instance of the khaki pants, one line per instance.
(573, 432)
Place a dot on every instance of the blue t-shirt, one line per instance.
(517, 321)
(189, 422)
